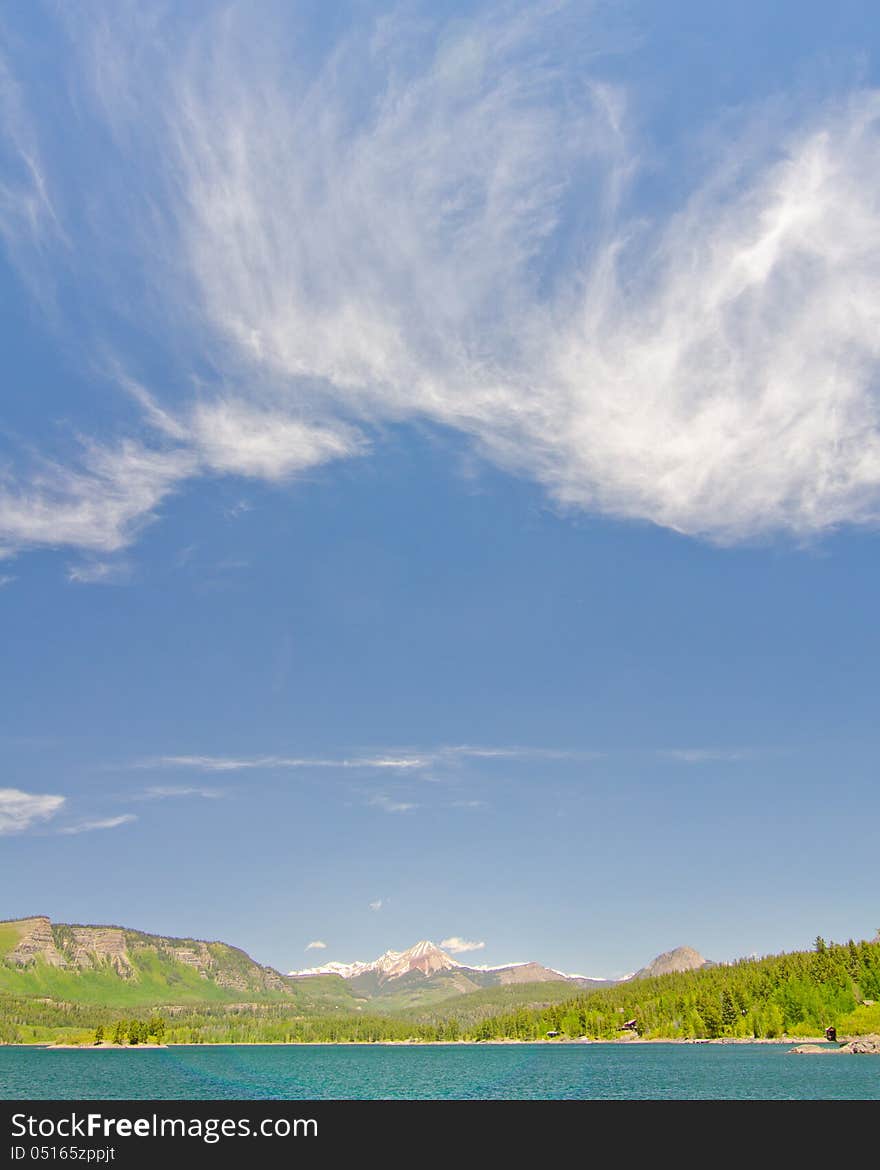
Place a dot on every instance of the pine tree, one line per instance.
(729, 1012)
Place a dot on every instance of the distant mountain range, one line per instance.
(114, 964)
(426, 962)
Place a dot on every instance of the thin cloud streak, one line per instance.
(28, 220)
(102, 823)
(238, 764)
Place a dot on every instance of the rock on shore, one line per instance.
(861, 1046)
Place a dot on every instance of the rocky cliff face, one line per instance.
(36, 941)
(117, 949)
(94, 946)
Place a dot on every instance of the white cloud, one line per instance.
(97, 506)
(458, 946)
(7, 579)
(377, 905)
(316, 945)
(102, 823)
(240, 440)
(19, 810)
(433, 225)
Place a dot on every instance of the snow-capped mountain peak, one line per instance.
(345, 970)
(425, 957)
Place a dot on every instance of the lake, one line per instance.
(484, 1071)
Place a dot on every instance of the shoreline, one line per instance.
(581, 1042)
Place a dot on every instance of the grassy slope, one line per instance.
(158, 981)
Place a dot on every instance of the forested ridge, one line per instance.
(800, 993)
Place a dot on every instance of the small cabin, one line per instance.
(630, 1026)
(550, 1035)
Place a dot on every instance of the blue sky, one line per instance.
(440, 475)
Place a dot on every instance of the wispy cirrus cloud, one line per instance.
(98, 823)
(20, 810)
(96, 505)
(101, 501)
(713, 370)
(376, 905)
(316, 945)
(27, 214)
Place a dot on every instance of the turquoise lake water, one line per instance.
(571, 1072)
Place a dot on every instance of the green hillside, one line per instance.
(411, 991)
(156, 981)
